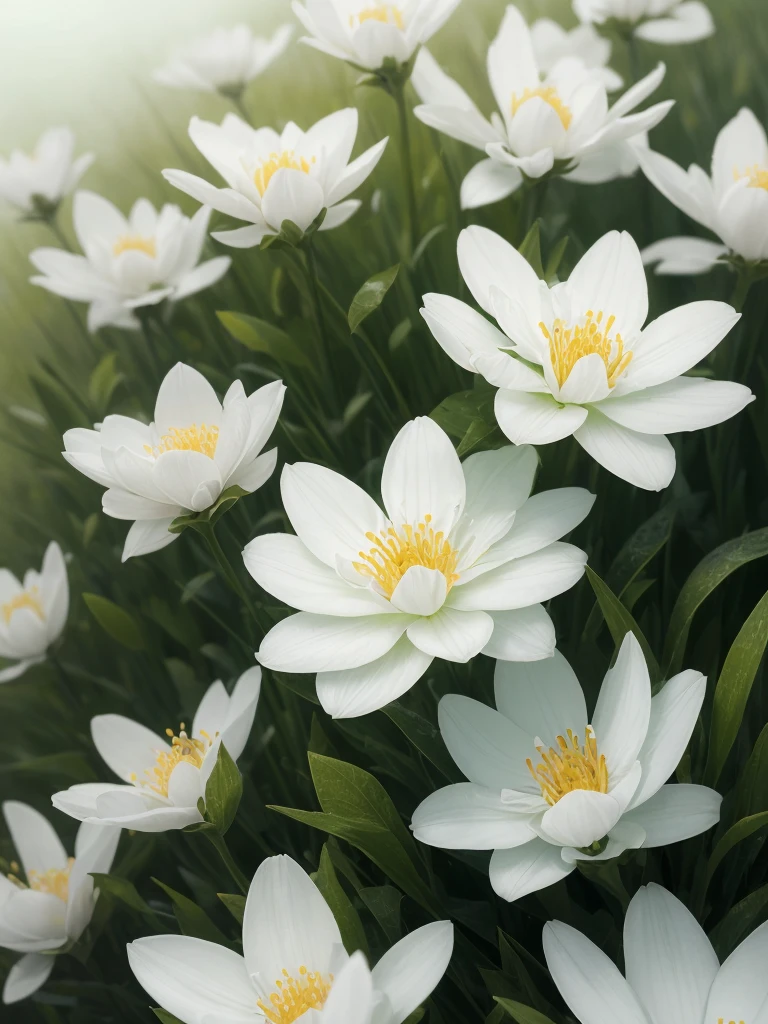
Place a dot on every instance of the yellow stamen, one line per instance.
(569, 344)
(570, 767)
(26, 599)
(550, 95)
(722, 1020)
(294, 996)
(137, 243)
(758, 176)
(274, 162)
(395, 551)
(183, 748)
(389, 14)
(187, 439)
(55, 882)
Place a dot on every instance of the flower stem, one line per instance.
(229, 574)
(313, 279)
(406, 160)
(744, 281)
(220, 843)
(58, 234)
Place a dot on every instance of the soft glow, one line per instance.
(550, 95)
(395, 551)
(569, 344)
(135, 243)
(29, 599)
(183, 748)
(276, 162)
(187, 439)
(570, 767)
(294, 996)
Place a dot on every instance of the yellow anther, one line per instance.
(29, 598)
(570, 767)
(135, 243)
(758, 178)
(54, 882)
(550, 95)
(183, 748)
(275, 162)
(187, 439)
(394, 551)
(293, 997)
(569, 344)
(388, 14)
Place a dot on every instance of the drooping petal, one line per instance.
(148, 536)
(535, 418)
(683, 255)
(412, 968)
(26, 976)
(525, 634)
(466, 816)
(645, 460)
(687, 23)
(517, 872)
(488, 182)
(460, 330)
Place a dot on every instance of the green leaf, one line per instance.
(753, 785)
(530, 249)
(124, 891)
(736, 833)
(347, 918)
(425, 737)
(164, 1016)
(235, 905)
(733, 688)
(383, 901)
(195, 585)
(262, 336)
(192, 919)
(521, 1013)
(115, 621)
(202, 521)
(739, 922)
(103, 381)
(555, 259)
(223, 792)
(711, 571)
(371, 296)
(620, 621)
(458, 413)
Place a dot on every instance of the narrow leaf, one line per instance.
(223, 792)
(115, 621)
(620, 621)
(371, 296)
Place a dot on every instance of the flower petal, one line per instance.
(683, 255)
(525, 634)
(489, 748)
(623, 709)
(488, 182)
(740, 989)
(292, 195)
(685, 403)
(580, 818)
(325, 643)
(528, 417)
(536, 865)
(610, 278)
(452, 635)
(469, 817)
(412, 968)
(645, 460)
(127, 747)
(487, 260)
(421, 591)
(38, 846)
(27, 976)
(676, 812)
(543, 698)
(459, 330)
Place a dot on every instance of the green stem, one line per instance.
(220, 844)
(229, 574)
(406, 159)
(149, 344)
(65, 684)
(634, 58)
(744, 279)
(313, 279)
(58, 234)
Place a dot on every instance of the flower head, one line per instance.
(32, 612)
(672, 971)
(455, 566)
(47, 902)
(657, 21)
(575, 358)
(371, 34)
(293, 963)
(225, 60)
(273, 177)
(195, 449)
(554, 122)
(549, 786)
(164, 777)
(129, 262)
(36, 183)
(552, 43)
(731, 202)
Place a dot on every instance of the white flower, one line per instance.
(732, 203)
(32, 612)
(55, 905)
(274, 177)
(129, 262)
(195, 449)
(454, 567)
(294, 965)
(226, 59)
(552, 43)
(45, 177)
(575, 358)
(372, 33)
(672, 971)
(548, 789)
(559, 122)
(657, 21)
(164, 778)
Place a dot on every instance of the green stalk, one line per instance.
(313, 280)
(229, 574)
(406, 160)
(220, 844)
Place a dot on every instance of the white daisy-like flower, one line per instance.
(371, 34)
(294, 966)
(33, 612)
(549, 785)
(53, 907)
(129, 262)
(225, 60)
(195, 448)
(553, 43)
(575, 358)
(657, 21)
(36, 183)
(457, 565)
(559, 121)
(164, 777)
(731, 202)
(271, 177)
(672, 971)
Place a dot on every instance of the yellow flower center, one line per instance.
(722, 1020)
(55, 881)
(137, 243)
(395, 551)
(187, 439)
(569, 344)
(294, 996)
(275, 161)
(26, 599)
(388, 14)
(758, 178)
(550, 95)
(183, 748)
(570, 767)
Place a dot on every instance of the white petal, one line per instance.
(325, 643)
(516, 873)
(452, 635)
(623, 709)
(355, 174)
(610, 278)
(498, 483)
(459, 330)
(486, 260)
(421, 591)
(683, 255)
(688, 22)
(740, 989)
(203, 276)
(488, 182)
(469, 817)
(534, 418)
(292, 195)
(188, 478)
(580, 818)
(412, 968)
(685, 403)
(95, 856)
(340, 214)
(352, 998)
(689, 191)
(525, 634)
(544, 518)
(543, 698)
(149, 536)
(488, 748)
(676, 812)
(27, 976)
(127, 747)
(645, 460)
(185, 397)
(242, 238)
(36, 843)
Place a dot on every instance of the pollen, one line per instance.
(187, 439)
(570, 767)
(294, 996)
(135, 243)
(394, 551)
(388, 14)
(722, 1020)
(54, 882)
(758, 178)
(550, 95)
(183, 748)
(569, 344)
(29, 598)
(275, 162)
